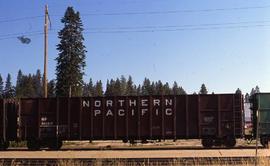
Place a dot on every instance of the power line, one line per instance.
(174, 11)
(158, 30)
(178, 26)
(178, 29)
(20, 19)
(30, 34)
(145, 12)
(148, 27)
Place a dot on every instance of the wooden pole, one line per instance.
(45, 51)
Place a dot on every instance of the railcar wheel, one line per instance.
(264, 142)
(33, 144)
(207, 143)
(125, 140)
(55, 144)
(230, 142)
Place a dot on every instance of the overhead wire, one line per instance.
(144, 29)
(174, 11)
(144, 12)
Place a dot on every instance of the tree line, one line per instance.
(31, 86)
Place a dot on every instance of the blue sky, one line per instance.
(224, 44)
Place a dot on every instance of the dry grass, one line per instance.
(144, 162)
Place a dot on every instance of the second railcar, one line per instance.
(216, 119)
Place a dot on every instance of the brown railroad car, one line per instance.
(216, 119)
(8, 122)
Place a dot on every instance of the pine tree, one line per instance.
(159, 88)
(257, 89)
(108, 91)
(130, 89)
(139, 90)
(28, 86)
(146, 87)
(153, 90)
(71, 59)
(19, 87)
(37, 85)
(182, 91)
(123, 83)
(203, 89)
(9, 91)
(117, 88)
(98, 89)
(1, 87)
(166, 88)
(51, 88)
(238, 91)
(176, 88)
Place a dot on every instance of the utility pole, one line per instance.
(45, 51)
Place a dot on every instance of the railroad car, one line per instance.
(216, 119)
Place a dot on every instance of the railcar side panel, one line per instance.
(29, 118)
(193, 116)
(133, 118)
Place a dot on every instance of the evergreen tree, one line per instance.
(176, 88)
(123, 82)
(37, 85)
(166, 88)
(182, 91)
(51, 88)
(19, 87)
(139, 90)
(257, 89)
(117, 88)
(27, 86)
(71, 59)
(98, 89)
(88, 89)
(1, 87)
(130, 89)
(153, 90)
(9, 91)
(159, 88)
(238, 91)
(203, 89)
(109, 89)
(146, 87)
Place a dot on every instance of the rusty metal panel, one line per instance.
(109, 118)
(63, 117)
(226, 114)
(86, 126)
(192, 117)
(74, 118)
(209, 107)
(144, 112)
(133, 117)
(121, 113)
(181, 120)
(97, 114)
(11, 113)
(156, 113)
(47, 117)
(29, 118)
(2, 120)
(168, 114)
